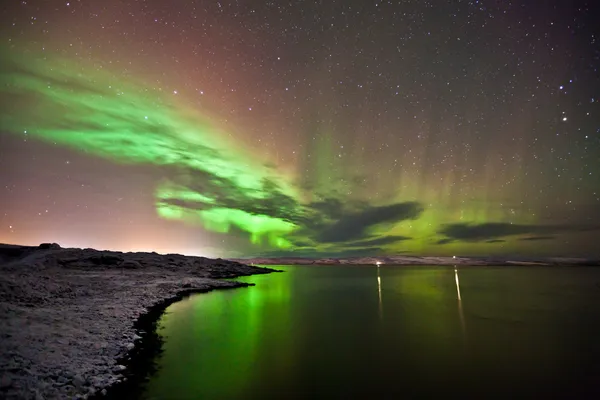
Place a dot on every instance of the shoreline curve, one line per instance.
(71, 318)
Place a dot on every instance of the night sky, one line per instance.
(302, 128)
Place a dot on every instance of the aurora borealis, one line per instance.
(302, 128)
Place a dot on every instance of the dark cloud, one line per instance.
(380, 241)
(496, 241)
(480, 232)
(329, 208)
(488, 231)
(355, 225)
(225, 193)
(326, 221)
(300, 243)
(536, 238)
(444, 241)
(189, 204)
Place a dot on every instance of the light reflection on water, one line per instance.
(379, 292)
(460, 306)
(320, 332)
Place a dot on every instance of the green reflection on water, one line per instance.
(229, 325)
(218, 345)
(362, 331)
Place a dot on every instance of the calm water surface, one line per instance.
(339, 332)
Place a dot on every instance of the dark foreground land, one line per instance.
(67, 315)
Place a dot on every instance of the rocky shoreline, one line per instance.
(74, 322)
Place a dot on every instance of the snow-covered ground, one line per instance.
(67, 315)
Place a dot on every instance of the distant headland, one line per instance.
(415, 260)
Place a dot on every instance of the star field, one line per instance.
(302, 128)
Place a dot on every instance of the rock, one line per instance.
(78, 381)
(5, 382)
(105, 259)
(130, 264)
(49, 246)
(119, 368)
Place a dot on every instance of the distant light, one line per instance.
(561, 88)
(564, 119)
(454, 257)
(378, 263)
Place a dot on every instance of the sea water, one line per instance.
(343, 332)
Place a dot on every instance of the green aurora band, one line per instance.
(60, 102)
(213, 183)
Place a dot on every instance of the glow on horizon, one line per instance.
(76, 244)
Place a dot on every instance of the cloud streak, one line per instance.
(492, 231)
(356, 225)
(380, 241)
(536, 238)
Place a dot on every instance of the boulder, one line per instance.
(105, 260)
(130, 264)
(49, 246)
